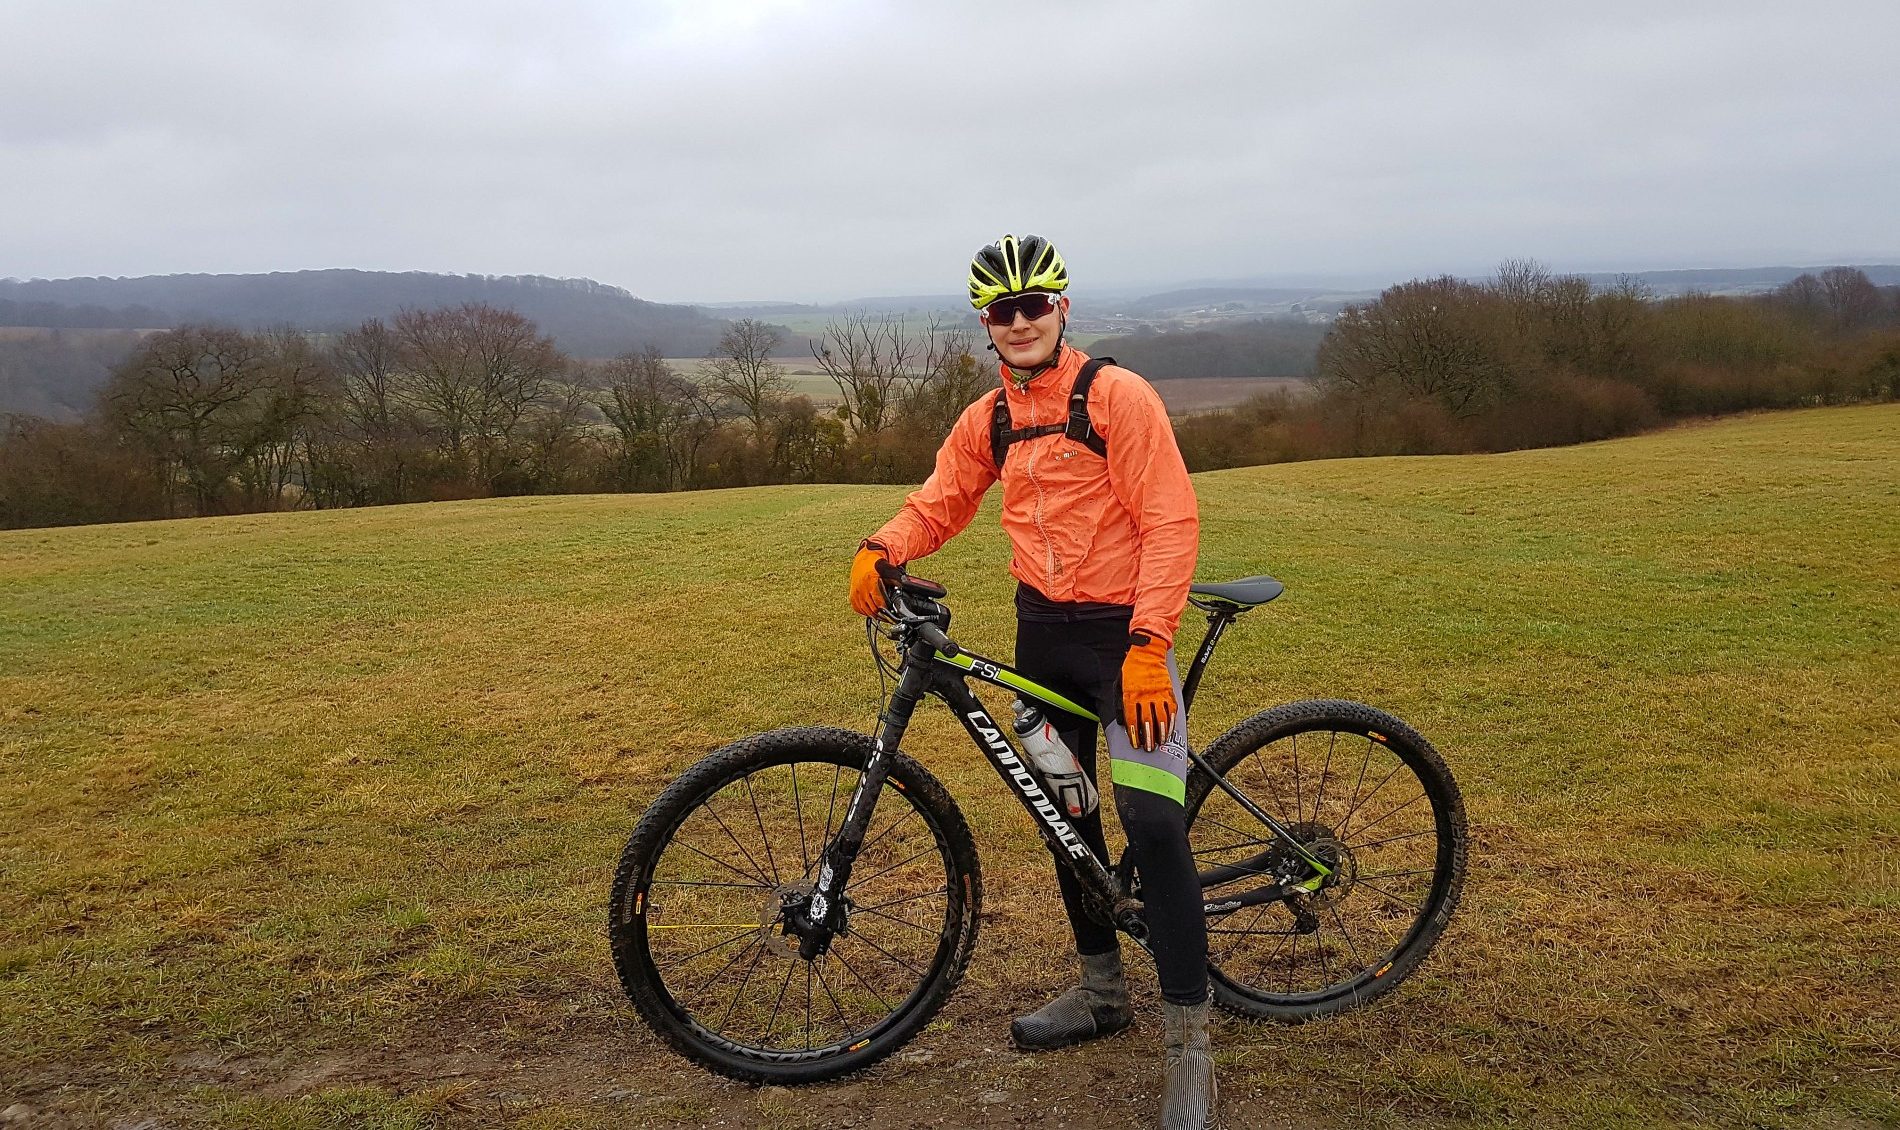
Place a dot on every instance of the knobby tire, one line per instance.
(691, 922)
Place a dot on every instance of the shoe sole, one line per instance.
(1018, 1043)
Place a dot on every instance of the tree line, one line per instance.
(1534, 359)
(473, 401)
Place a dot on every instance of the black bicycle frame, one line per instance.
(931, 669)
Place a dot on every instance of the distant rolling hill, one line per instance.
(586, 318)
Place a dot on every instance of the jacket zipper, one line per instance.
(1029, 468)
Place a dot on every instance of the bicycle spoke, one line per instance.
(1258, 914)
(764, 839)
(887, 953)
(721, 971)
(1394, 874)
(908, 813)
(740, 991)
(1364, 764)
(1228, 828)
(1343, 820)
(853, 970)
(761, 885)
(1394, 839)
(1324, 967)
(798, 810)
(772, 1023)
(707, 882)
(808, 969)
(906, 898)
(860, 882)
(1347, 934)
(1267, 780)
(1389, 815)
(714, 813)
(844, 1023)
(1332, 739)
(1255, 842)
(900, 921)
(837, 775)
(1388, 895)
(747, 932)
(1299, 802)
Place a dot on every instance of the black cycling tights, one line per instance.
(1082, 660)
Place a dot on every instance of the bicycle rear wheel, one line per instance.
(700, 896)
(1372, 798)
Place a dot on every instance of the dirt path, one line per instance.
(594, 1072)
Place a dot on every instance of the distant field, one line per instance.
(1201, 394)
(35, 333)
(307, 820)
(1190, 395)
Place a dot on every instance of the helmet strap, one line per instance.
(1024, 376)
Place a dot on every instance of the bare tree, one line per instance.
(952, 379)
(554, 435)
(472, 372)
(873, 362)
(661, 420)
(1526, 285)
(369, 434)
(278, 421)
(740, 369)
(202, 401)
(1444, 340)
(1852, 299)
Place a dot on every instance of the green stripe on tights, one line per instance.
(1148, 779)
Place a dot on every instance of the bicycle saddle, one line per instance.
(1245, 593)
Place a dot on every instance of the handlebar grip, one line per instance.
(933, 635)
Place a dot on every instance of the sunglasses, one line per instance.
(1003, 311)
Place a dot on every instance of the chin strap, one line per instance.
(1022, 376)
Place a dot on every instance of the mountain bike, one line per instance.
(800, 903)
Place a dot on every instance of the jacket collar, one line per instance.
(1052, 385)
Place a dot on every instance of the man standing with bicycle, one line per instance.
(1104, 531)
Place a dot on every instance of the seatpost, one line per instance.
(1217, 623)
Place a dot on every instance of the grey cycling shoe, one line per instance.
(1096, 1007)
(1188, 1092)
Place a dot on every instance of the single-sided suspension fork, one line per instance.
(823, 914)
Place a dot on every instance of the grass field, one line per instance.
(308, 819)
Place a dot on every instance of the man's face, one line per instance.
(1022, 342)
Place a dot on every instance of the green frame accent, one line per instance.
(1135, 775)
(964, 661)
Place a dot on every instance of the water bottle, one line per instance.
(1072, 788)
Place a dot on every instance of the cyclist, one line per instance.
(1104, 536)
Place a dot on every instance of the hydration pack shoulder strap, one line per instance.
(1079, 428)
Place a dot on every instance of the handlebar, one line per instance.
(901, 591)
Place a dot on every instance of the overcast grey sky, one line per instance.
(736, 149)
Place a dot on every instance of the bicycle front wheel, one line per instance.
(1371, 798)
(699, 902)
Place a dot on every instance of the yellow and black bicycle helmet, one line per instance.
(1012, 265)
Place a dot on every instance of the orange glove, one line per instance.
(1147, 692)
(867, 588)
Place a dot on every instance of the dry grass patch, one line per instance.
(348, 787)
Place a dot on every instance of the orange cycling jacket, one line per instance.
(1119, 530)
